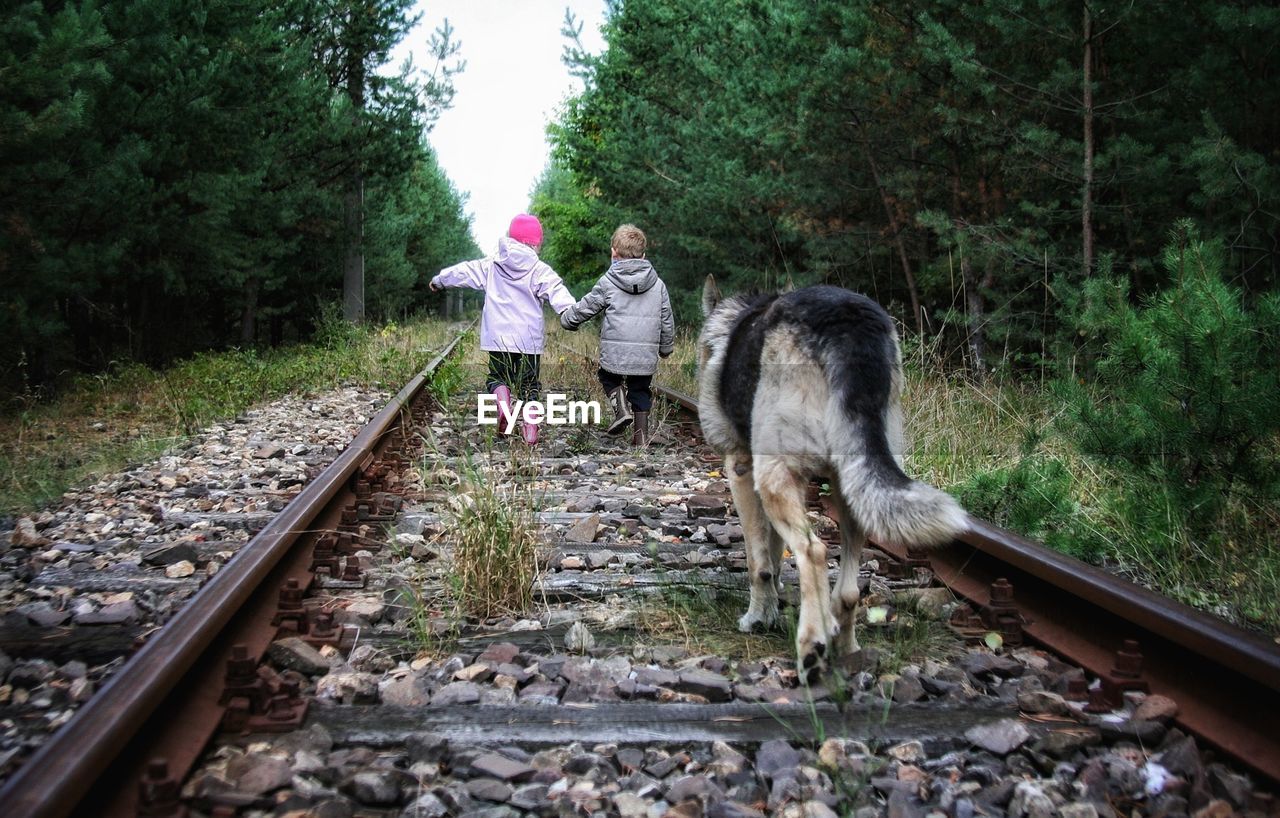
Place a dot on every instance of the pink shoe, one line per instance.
(504, 408)
(530, 432)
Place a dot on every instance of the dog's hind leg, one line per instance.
(762, 566)
(844, 599)
(782, 493)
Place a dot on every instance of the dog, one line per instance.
(801, 385)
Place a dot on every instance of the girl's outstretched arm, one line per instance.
(469, 274)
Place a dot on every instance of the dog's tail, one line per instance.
(864, 431)
(889, 505)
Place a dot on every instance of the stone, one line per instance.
(630, 805)
(712, 686)
(579, 639)
(1156, 708)
(404, 691)
(25, 535)
(456, 693)
(181, 568)
(374, 787)
(113, 614)
(499, 653)
(489, 789)
(294, 653)
(170, 553)
(502, 768)
(427, 805)
(425, 746)
(259, 774)
(694, 787)
(1000, 738)
(775, 756)
(706, 505)
(348, 687)
(908, 752)
(585, 530)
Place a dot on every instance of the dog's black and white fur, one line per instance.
(802, 385)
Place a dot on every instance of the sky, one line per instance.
(492, 143)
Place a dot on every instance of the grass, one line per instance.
(494, 545)
(131, 413)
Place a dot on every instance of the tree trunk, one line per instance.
(975, 308)
(1086, 193)
(249, 317)
(353, 261)
(897, 235)
(353, 197)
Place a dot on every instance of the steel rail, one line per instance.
(1224, 679)
(117, 728)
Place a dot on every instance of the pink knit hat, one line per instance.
(526, 229)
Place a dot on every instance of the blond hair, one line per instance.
(628, 242)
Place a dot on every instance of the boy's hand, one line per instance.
(435, 288)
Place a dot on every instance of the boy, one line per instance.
(638, 329)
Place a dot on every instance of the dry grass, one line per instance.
(494, 544)
(130, 414)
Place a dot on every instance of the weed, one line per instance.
(494, 544)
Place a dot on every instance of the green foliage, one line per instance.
(171, 175)
(928, 152)
(1035, 497)
(1186, 395)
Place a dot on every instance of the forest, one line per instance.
(972, 165)
(184, 175)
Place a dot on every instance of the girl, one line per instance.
(515, 284)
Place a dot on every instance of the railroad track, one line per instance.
(305, 657)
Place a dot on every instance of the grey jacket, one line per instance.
(638, 325)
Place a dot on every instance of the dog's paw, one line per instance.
(813, 663)
(754, 621)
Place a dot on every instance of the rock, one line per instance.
(579, 639)
(112, 614)
(502, 768)
(425, 746)
(1031, 801)
(584, 530)
(499, 653)
(712, 686)
(489, 789)
(456, 693)
(348, 687)
(1000, 738)
(405, 691)
(43, 614)
(706, 505)
(775, 756)
(529, 796)
(427, 805)
(908, 752)
(170, 553)
(374, 787)
(1064, 744)
(1214, 809)
(293, 653)
(24, 535)
(1042, 701)
(630, 805)
(1156, 708)
(182, 568)
(268, 451)
(697, 787)
(259, 774)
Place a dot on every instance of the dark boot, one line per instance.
(640, 436)
(622, 416)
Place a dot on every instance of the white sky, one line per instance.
(492, 143)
